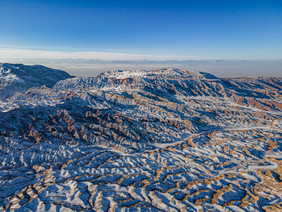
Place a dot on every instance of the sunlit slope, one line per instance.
(160, 140)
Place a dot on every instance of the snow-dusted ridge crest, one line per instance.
(122, 79)
(19, 78)
(166, 72)
(157, 140)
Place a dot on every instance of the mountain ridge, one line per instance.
(18, 77)
(159, 140)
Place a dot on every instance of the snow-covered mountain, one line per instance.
(159, 140)
(19, 78)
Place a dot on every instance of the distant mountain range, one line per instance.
(158, 140)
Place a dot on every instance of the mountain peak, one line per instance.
(19, 78)
(164, 72)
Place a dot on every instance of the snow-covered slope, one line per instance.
(19, 78)
(159, 140)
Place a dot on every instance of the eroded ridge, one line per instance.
(163, 140)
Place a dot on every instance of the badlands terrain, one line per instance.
(159, 140)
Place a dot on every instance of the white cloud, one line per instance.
(8, 54)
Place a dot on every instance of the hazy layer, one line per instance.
(220, 68)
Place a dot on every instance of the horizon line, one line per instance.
(32, 54)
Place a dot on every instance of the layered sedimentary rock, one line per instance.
(160, 140)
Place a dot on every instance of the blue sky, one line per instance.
(180, 29)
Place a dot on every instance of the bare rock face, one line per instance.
(159, 140)
(19, 78)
